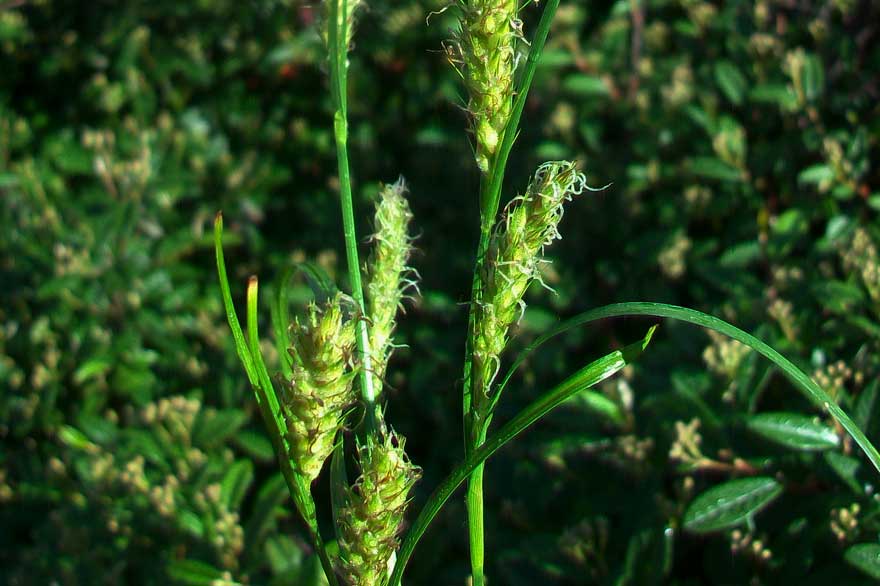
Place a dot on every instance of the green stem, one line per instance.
(368, 392)
(490, 197)
(339, 89)
(476, 518)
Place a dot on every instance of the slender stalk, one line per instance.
(476, 519)
(490, 197)
(339, 90)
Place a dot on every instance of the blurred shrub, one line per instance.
(740, 139)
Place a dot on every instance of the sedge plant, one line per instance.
(334, 358)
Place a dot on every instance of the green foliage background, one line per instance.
(741, 143)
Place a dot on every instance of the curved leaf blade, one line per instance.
(796, 376)
(593, 373)
(241, 347)
(730, 504)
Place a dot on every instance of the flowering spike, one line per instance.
(529, 224)
(387, 272)
(372, 514)
(319, 391)
(484, 53)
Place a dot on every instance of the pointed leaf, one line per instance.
(193, 573)
(730, 504)
(585, 86)
(847, 469)
(731, 81)
(867, 404)
(236, 483)
(284, 555)
(269, 499)
(255, 444)
(865, 557)
(213, 428)
(712, 168)
(281, 321)
(795, 431)
(237, 334)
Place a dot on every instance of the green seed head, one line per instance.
(387, 272)
(371, 518)
(530, 223)
(316, 397)
(484, 52)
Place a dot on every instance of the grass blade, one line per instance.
(585, 378)
(256, 354)
(241, 348)
(801, 380)
(337, 34)
(267, 401)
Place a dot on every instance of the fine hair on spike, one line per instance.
(530, 223)
(319, 392)
(389, 276)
